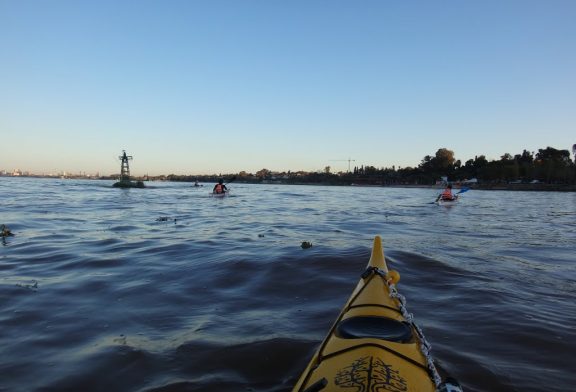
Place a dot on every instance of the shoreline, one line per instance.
(539, 187)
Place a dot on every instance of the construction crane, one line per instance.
(345, 160)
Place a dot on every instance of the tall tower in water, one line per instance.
(124, 181)
(125, 168)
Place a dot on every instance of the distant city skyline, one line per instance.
(18, 172)
(226, 86)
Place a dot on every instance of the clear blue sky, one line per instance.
(193, 87)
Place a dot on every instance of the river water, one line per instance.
(168, 289)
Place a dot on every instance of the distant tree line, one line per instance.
(548, 166)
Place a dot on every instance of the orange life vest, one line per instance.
(447, 194)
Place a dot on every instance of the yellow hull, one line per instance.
(371, 347)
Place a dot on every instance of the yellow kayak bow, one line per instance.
(373, 345)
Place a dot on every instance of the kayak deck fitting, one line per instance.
(374, 345)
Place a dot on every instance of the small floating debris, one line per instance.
(122, 340)
(260, 235)
(32, 286)
(165, 219)
(124, 181)
(5, 231)
(306, 244)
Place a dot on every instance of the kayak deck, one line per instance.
(223, 194)
(371, 346)
(445, 202)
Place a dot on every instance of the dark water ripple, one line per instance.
(167, 289)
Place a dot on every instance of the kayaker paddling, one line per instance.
(447, 193)
(449, 197)
(220, 187)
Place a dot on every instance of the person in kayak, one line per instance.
(220, 187)
(447, 194)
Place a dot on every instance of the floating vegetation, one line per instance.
(5, 231)
(306, 244)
